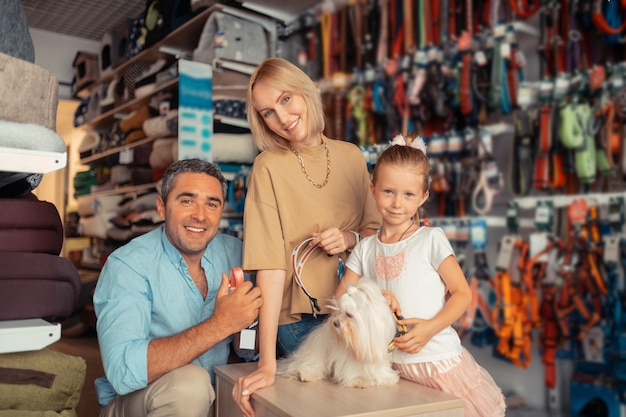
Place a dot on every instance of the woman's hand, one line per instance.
(333, 240)
(247, 385)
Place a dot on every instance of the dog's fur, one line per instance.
(350, 347)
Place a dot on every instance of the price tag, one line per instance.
(505, 50)
(505, 253)
(611, 250)
(538, 242)
(543, 215)
(126, 157)
(480, 58)
(561, 86)
(512, 216)
(526, 95)
(478, 233)
(247, 339)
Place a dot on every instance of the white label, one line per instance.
(126, 157)
(505, 50)
(538, 242)
(247, 339)
(505, 254)
(611, 250)
(480, 58)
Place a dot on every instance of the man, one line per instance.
(164, 312)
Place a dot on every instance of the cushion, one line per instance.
(42, 380)
(30, 225)
(36, 285)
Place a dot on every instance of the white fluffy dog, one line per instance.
(351, 347)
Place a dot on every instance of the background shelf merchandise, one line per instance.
(107, 153)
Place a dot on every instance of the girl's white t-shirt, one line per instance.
(409, 269)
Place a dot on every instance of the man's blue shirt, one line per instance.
(145, 292)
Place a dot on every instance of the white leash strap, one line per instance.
(297, 262)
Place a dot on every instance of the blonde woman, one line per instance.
(302, 185)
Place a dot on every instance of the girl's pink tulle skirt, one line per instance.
(462, 377)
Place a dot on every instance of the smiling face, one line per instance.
(192, 213)
(285, 113)
(398, 192)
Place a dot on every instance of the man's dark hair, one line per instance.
(194, 165)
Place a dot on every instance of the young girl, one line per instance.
(416, 268)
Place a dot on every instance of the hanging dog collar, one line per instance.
(297, 262)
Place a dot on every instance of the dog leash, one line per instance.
(401, 329)
(236, 278)
(297, 262)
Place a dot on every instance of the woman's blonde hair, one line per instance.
(285, 76)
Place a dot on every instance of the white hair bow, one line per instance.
(417, 143)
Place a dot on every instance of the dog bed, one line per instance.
(37, 285)
(40, 383)
(30, 225)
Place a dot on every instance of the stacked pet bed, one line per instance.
(35, 282)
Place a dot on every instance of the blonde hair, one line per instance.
(406, 156)
(285, 76)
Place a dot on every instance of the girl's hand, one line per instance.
(392, 302)
(419, 334)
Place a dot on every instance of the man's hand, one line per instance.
(239, 309)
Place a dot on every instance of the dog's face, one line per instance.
(362, 321)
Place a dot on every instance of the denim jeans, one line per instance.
(291, 335)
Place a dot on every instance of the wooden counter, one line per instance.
(290, 398)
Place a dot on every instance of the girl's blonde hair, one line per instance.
(285, 76)
(407, 156)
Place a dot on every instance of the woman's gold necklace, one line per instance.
(306, 174)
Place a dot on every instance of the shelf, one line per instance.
(232, 121)
(103, 120)
(119, 190)
(28, 334)
(99, 156)
(181, 41)
(560, 201)
(31, 161)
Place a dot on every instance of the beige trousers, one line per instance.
(186, 391)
